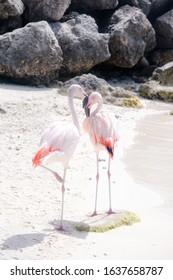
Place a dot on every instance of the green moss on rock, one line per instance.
(132, 102)
(105, 222)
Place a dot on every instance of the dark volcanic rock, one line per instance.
(82, 45)
(164, 30)
(131, 35)
(160, 86)
(113, 95)
(89, 82)
(164, 74)
(10, 8)
(112, 38)
(49, 10)
(143, 5)
(30, 54)
(95, 5)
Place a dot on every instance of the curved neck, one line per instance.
(73, 112)
(97, 109)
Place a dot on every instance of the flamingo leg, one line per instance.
(57, 176)
(61, 228)
(97, 182)
(61, 180)
(109, 182)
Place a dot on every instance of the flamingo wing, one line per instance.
(57, 143)
(103, 132)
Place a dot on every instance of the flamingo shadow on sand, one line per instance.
(70, 228)
(21, 241)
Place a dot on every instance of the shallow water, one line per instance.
(150, 160)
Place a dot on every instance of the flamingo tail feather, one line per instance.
(109, 145)
(41, 153)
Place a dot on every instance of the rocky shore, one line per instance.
(44, 42)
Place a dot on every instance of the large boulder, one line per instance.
(49, 10)
(131, 36)
(144, 5)
(10, 15)
(30, 54)
(160, 86)
(154, 90)
(89, 82)
(96, 5)
(82, 45)
(114, 95)
(164, 74)
(164, 30)
(10, 8)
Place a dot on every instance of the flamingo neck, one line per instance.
(73, 111)
(97, 109)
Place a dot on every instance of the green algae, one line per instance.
(105, 222)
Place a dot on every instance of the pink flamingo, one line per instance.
(58, 143)
(102, 129)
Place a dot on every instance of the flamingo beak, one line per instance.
(85, 106)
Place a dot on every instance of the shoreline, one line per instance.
(153, 158)
(31, 199)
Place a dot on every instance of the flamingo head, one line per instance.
(94, 98)
(77, 91)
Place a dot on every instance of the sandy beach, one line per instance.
(31, 198)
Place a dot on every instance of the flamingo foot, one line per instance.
(60, 228)
(110, 212)
(94, 214)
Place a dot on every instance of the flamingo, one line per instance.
(58, 143)
(103, 133)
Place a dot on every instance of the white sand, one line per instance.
(31, 199)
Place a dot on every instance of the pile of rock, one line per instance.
(160, 85)
(42, 41)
